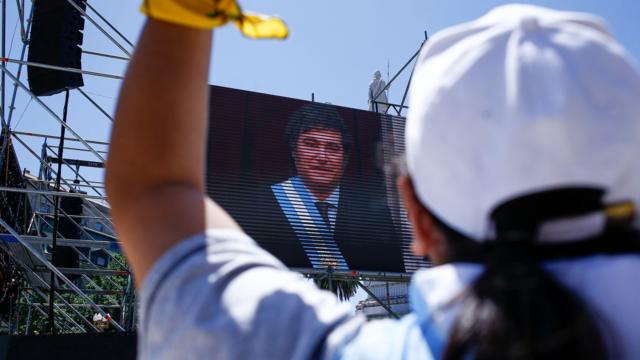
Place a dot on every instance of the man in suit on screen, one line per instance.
(334, 222)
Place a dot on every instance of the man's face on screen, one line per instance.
(319, 159)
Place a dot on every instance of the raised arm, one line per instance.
(155, 171)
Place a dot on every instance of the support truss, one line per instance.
(102, 281)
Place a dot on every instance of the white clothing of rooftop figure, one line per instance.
(377, 87)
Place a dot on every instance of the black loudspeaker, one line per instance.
(56, 36)
(72, 206)
(66, 257)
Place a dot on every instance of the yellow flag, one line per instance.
(208, 14)
(258, 26)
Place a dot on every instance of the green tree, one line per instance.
(113, 290)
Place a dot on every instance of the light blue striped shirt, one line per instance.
(219, 296)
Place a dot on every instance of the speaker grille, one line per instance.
(56, 36)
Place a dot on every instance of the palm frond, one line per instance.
(344, 289)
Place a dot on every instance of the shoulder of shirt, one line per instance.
(192, 246)
(387, 339)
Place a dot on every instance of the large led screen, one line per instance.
(310, 182)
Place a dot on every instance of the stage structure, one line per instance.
(62, 263)
(59, 257)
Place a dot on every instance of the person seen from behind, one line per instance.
(522, 185)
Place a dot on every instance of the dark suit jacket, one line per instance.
(364, 231)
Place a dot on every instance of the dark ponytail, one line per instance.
(515, 309)
(518, 311)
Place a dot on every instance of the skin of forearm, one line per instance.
(155, 169)
(159, 132)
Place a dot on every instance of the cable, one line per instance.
(22, 115)
(13, 36)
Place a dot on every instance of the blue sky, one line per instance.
(334, 48)
(336, 45)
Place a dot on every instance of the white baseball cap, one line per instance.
(524, 99)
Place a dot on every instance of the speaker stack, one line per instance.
(56, 36)
(66, 257)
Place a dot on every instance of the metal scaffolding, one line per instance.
(398, 108)
(99, 282)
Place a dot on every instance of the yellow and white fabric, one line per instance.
(209, 14)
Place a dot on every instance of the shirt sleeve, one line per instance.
(218, 295)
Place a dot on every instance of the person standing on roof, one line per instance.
(522, 184)
(377, 90)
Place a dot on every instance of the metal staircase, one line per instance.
(100, 283)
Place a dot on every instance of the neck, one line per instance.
(321, 193)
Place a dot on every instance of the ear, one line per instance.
(426, 236)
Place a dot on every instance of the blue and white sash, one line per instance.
(315, 236)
